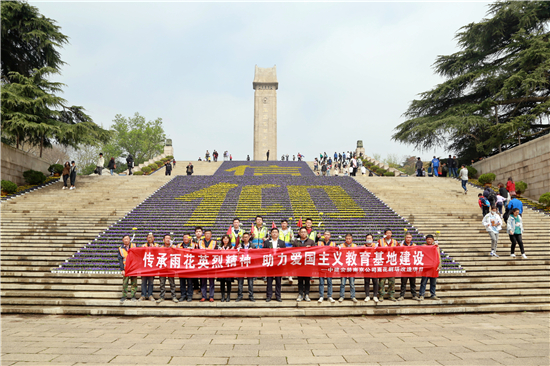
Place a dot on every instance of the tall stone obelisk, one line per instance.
(265, 113)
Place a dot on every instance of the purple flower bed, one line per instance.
(338, 204)
(264, 168)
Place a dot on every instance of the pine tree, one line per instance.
(497, 93)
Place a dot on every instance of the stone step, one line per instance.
(292, 310)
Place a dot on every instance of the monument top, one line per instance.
(267, 75)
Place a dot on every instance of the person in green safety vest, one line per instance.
(312, 234)
(236, 232)
(259, 232)
(286, 234)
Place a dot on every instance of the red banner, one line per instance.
(315, 261)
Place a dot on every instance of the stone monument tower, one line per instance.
(265, 87)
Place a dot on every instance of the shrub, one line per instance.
(146, 169)
(521, 187)
(164, 159)
(544, 198)
(138, 173)
(380, 171)
(34, 177)
(56, 168)
(486, 178)
(389, 174)
(159, 163)
(472, 172)
(169, 157)
(9, 187)
(153, 166)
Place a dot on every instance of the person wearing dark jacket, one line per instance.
(73, 174)
(66, 173)
(112, 165)
(130, 163)
(303, 282)
(168, 168)
(189, 169)
(273, 243)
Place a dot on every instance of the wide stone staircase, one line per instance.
(489, 284)
(41, 230)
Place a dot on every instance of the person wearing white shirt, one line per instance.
(464, 178)
(493, 224)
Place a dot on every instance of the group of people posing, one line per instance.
(262, 237)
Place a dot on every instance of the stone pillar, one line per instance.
(265, 113)
(360, 150)
(168, 149)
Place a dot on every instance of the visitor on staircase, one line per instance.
(111, 166)
(493, 224)
(515, 230)
(189, 169)
(168, 169)
(100, 164)
(419, 167)
(122, 255)
(66, 172)
(464, 178)
(130, 163)
(73, 174)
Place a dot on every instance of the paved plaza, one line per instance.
(475, 339)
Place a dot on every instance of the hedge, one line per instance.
(153, 166)
(486, 178)
(169, 157)
(472, 172)
(34, 177)
(521, 187)
(138, 173)
(9, 187)
(146, 169)
(56, 168)
(544, 198)
(389, 174)
(159, 163)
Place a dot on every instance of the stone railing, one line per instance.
(15, 162)
(382, 165)
(168, 150)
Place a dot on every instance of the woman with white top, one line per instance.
(493, 224)
(515, 230)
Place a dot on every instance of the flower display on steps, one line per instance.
(264, 168)
(338, 204)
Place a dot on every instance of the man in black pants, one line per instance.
(250, 280)
(303, 282)
(273, 243)
(412, 280)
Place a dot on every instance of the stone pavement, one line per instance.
(472, 339)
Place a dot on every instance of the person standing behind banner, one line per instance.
(226, 282)
(245, 245)
(186, 284)
(303, 282)
(312, 234)
(369, 241)
(347, 244)
(236, 232)
(412, 280)
(122, 255)
(167, 243)
(195, 244)
(326, 242)
(287, 235)
(387, 241)
(259, 232)
(209, 244)
(433, 280)
(274, 243)
(147, 281)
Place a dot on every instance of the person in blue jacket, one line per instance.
(515, 203)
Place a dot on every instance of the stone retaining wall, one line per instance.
(529, 162)
(15, 162)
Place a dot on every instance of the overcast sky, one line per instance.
(346, 71)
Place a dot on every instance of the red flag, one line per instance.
(300, 223)
(273, 226)
(229, 231)
(252, 230)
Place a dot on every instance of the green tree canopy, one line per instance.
(497, 93)
(31, 110)
(134, 135)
